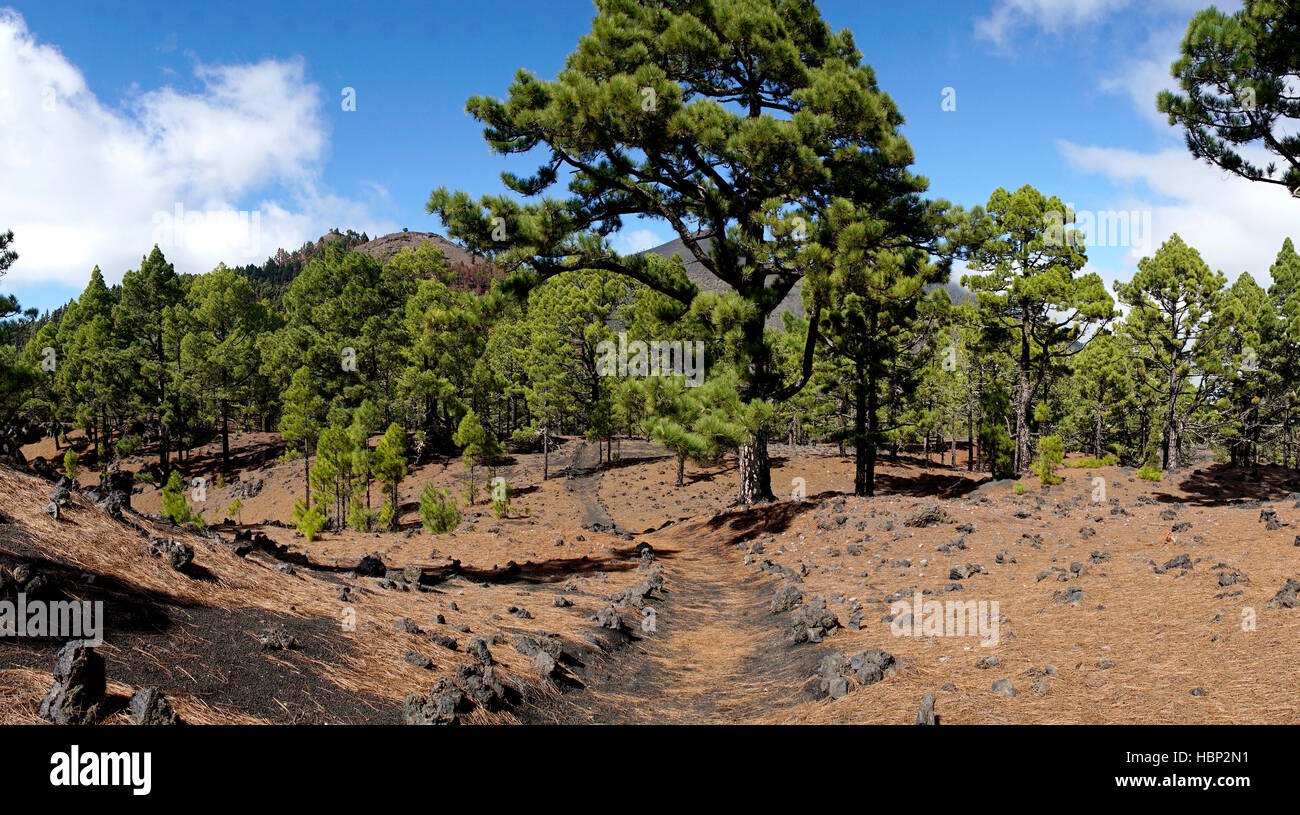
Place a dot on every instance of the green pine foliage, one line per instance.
(438, 511)
(331, 347)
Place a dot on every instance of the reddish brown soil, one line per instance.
(718, 654)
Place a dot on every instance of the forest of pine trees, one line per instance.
(769, 186)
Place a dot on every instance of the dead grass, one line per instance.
(372, 663)
(719, 656)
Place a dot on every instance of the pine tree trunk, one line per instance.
(306, 471)
(225, 434)
(1096, 428)
(862, 481)
(1022, 406)
(755, 470)
(681, 470)
(970, 439)
(1286, 436)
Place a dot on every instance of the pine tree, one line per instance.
(390, 469)
(1030, 286)
(219, 350)
(478, 446)
(694, 423)
(142, 317)
(300, 421)
(1285, 296)
(1099, 388)
(872, 298)
(1170, 300)
(1237, 74)
(332, 476)
(732, 122)
(447, 333)
(1238, 375)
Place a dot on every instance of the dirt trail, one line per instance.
(717, 654)
(583, 481)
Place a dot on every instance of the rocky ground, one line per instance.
(609, 595)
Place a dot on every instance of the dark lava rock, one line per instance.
(407, 626)
(444, 640)
(870, 666)
(77, 696)
(963, 572)
(418, 660)
(1182, 561)
(608, 617)
(786, 598)
(1072, 596)
(1269, 518)
(482, 685)
(813, 622)
(371, 565)
(149, 707)
(925, 715)
(928, 514)
(277, 639)
(444, 704)
(478, 648)
(1286, 597)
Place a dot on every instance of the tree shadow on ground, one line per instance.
(246, 457)
(936, 485)
(746, 522)
(1222, 484)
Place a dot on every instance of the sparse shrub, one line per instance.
(438, 510)
(145, 477)
(1108, 460)
(500, 498)
(174, 505)
(998, 449)
(1149, 472)
(126, 446)
(1051, 451)
(361, 517)
(234, 510)
(70, 464)
(1021, 489)
(309, 521)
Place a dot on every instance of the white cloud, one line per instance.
(631, 241)
(86, 183)
(1144, 76)
(1057, 17)
(1052, 16)
(1237, 225)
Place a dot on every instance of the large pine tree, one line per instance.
(733, 123)
(144, 318)
(1171, 299)
(1031, 286)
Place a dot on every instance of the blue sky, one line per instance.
(109, 117)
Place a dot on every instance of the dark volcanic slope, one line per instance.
(472, 273)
